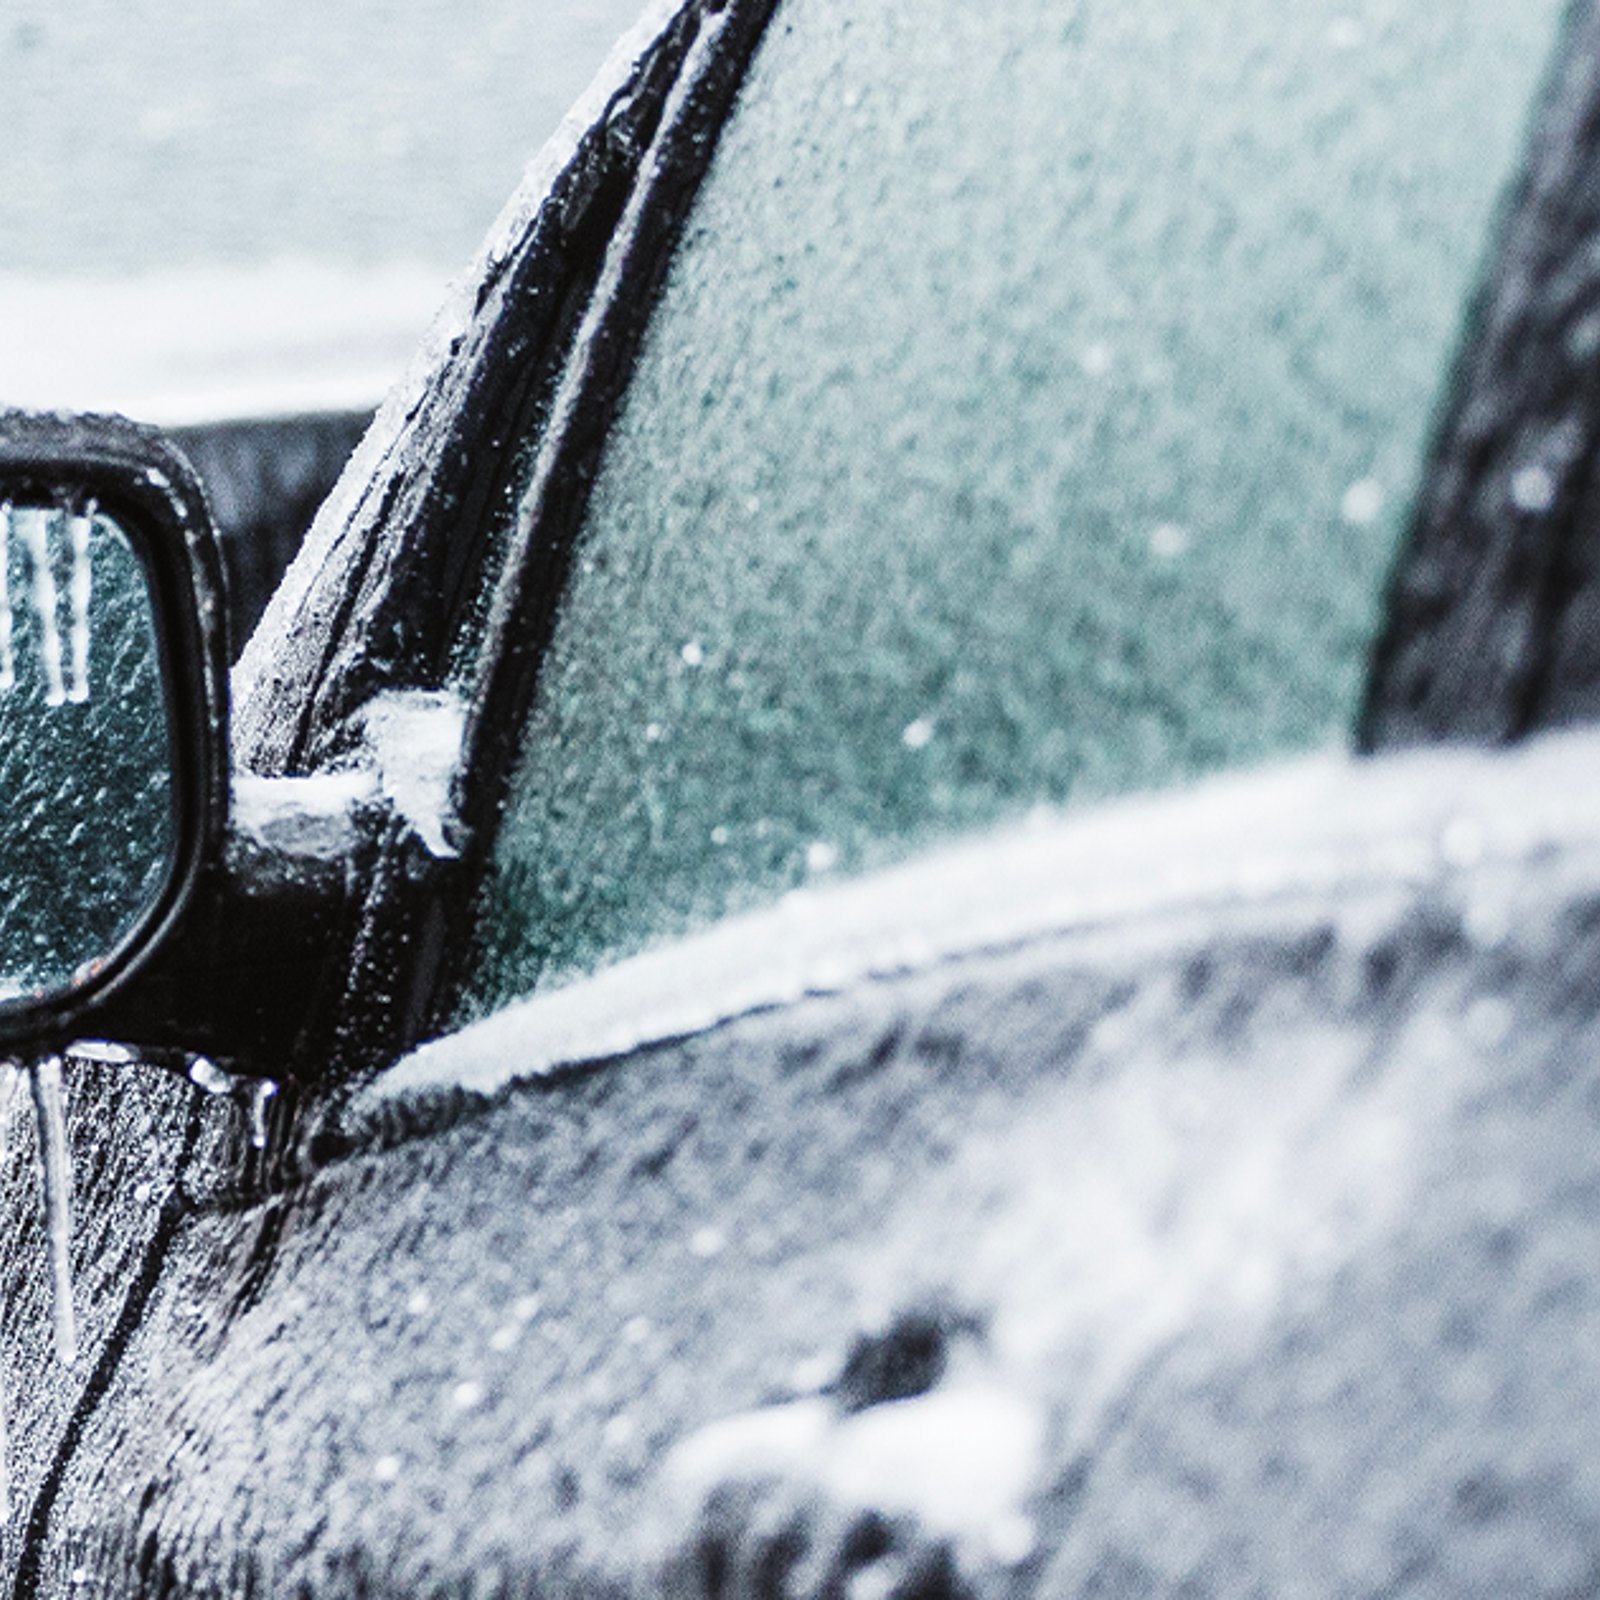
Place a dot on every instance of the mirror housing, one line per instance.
(141, 483)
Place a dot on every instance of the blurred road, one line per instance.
(209, 209)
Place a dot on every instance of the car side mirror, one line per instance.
(113, 711)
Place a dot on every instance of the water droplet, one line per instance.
(916, 735)
(813, 1374)
(420, 1303)
(619, 1430)
(693, 653)
(719, 834)
(1463, 842)
(1012, 1539)
(653, 732)
(526, 1308)
(502, 1339)
(1533, 489)
(386, 1469)
(1362, 504)
(1346, 33)
(1488, 1022)
(1097, 360)
(467, 1395)
(822, 856)
(638, 1330)
(707, 1242)
(1168, 541)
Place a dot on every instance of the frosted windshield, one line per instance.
(86, 823)
(1030, 416)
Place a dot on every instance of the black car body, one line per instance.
(1191, 1196)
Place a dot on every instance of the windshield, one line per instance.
(1030, 417)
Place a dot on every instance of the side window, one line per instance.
(1030, 417)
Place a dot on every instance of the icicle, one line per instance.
(8, 664)
(261, 1096)
(45, 1080)
(81, 594)
(33, 527)
(10, 1073)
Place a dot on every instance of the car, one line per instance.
(901, 898)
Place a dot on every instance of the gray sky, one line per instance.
(213, 211)
(142, 135)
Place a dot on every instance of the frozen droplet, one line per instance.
(653, 732)
(50, 1112)
(80, 590)
(420, 1303)
(467, 1395)
(719, 834)
(822, 856)
(916, 735)
(1168, 541)
(1346, 33)
(693, 653)
(1487, 922)
(261, 1097)
(1463, 842)
(637, 1330)
(1362, 504)
(1097, 360)
(206, 1074)
(1533, 489)
(502, 1339)
(1488, 1022)
(1012, 1539)
(707, 1242)
(102, 1052)
(814, 1374)
(386, 1469)
(620, 1430)
(526, 1308)
(143, 1190)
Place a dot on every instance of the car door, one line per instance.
(492, 1341)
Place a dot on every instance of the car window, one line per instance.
(1030, 417)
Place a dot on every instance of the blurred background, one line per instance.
(237, 220)
(254, 207)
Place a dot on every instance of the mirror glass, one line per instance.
(87, 827)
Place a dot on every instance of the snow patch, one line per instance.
(301, 816)
(414, 736)
(961, 1460)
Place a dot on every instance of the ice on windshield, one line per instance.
(86, 825)
(1030, 417)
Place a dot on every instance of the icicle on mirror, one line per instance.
(87, 823)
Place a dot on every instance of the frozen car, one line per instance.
(902, 899)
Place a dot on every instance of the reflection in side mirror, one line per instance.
(87, 826)
(113, 716)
